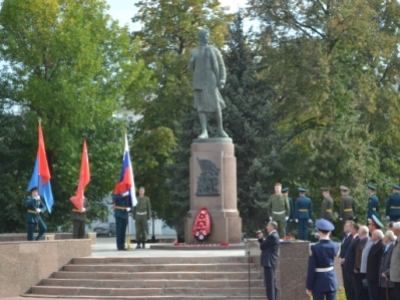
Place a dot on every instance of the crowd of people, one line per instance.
(369, 258)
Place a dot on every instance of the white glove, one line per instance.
(37, 197)
(83, 209)
(270, 218)
(125, 194)
(38, 210)
(296, 220)
(310, 221)
(286, 218)
(341, 219)
(388, 218)
(354, 217)
(128, 209)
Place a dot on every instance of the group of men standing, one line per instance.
(283, 210)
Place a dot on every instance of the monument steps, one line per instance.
(153, 278)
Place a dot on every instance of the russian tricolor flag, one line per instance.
(126, 181)
(41, 174)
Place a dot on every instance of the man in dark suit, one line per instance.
(321, 276)
(269, 258)
(374, 263)
(347, 228)
(350, 257)
(359, 292)
(385, 285)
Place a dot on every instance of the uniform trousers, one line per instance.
(319, 295)
(270, 283)
(303, 229)
(281, 227)
(78, 231)
(141, 228)
(120, 224)
(31, 229)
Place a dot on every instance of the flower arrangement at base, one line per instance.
(202, 225)
(288, 238)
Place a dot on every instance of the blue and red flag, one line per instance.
(126, 181)
(41, 174)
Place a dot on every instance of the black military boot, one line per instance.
(143, 245)
(138, 245)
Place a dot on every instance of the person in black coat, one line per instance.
(374, 263)
(348, 226)
(350, 257)
(269, 258)
(385, 285)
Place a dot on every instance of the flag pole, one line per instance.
(40, 124)
(128, 233)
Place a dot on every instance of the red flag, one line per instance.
(84, 179)
(43, 167)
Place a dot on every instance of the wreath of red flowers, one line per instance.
(202, 225)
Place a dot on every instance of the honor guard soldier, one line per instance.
(278, 209)
(373, 202)
(33, 219)
(321, 276)
(303, 213)
(347, 206)
(285, 191)
(121, 210)
(78, 217)
(393, 204)
(327, 205)
(141, 215)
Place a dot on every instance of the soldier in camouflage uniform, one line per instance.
(347, 210)
(141, 215)
(279, 209)
(327, 205)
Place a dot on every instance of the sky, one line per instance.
(124, 10)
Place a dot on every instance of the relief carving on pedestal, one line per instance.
(207, 183)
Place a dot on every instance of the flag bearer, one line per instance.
(121, 210)
(33, 219)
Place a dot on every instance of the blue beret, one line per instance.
(396, 187)
(324, 225)
(378, 223)
(371, 187)
(284, 190)
(302, 190)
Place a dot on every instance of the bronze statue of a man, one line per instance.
(209, 75)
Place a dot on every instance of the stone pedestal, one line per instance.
(213, 185)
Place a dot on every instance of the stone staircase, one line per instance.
(153, 278)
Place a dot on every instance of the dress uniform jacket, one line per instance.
(321, 275)
(77, 215)
(393, 207)
(373, 206)
(385, 267)
(327, 209)
(395, 263)
(347, 208)
(120, 205)
(32, 204)
(278, 207)
(303, 208)
(142, 208)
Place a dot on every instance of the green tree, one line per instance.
(70, 64)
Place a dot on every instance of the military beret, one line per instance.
(284, 190)
(371, 187)
(344, 188)
(396, 187)
(301, 189)
(324, 225)
(325, 189)
(375, 221)
(33, 189)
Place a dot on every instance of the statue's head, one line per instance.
(204, 36)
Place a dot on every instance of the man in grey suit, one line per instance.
(385, 284)
(269, 258)
(395, 262)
